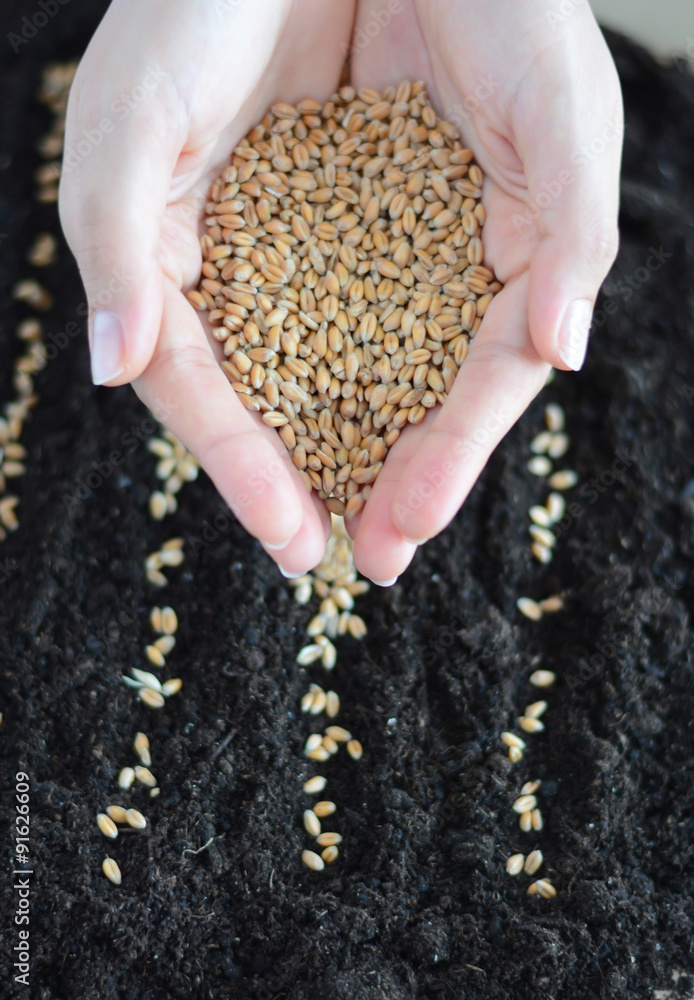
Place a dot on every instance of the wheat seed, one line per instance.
(530, 725)
(536, 710)
(540, 515)
(511, 740)
(542, 888)
(322, 809)
(539, 465)
(146, 678)
(542, 535)
(332, 706)
(542, 678)
(551, 604)
(329, 839)
(165, 644)
(343, 273)
(106, 825)
(355, 749)
(126, 777)
(330, 854)
(542, 553)
(565, 479)
(555, 418)
(556, 507)
(171, 687)
(152, 699)
(169, 621)
(135, 819)
(541, 442)
(514, 864)
(313, 861)
(142, 749)
(526, 822)
(155, 656)
(537, 820)
(338, 734)
(117, 813)
(111, 871)
(158, 505)
(330, 745)
(559, 446)
(311, 823)
(524, 803)
(315, 785)
(533, 862)
(530, 787)
(531, 609)
(515, 755)
(145, 776)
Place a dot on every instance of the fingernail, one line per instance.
(385, 583)
(289, 576)
(108, 347)
(275, 548)
(573, 333)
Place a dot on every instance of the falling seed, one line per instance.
(539, 465)
(565, 479)
(315, 785)
(555, 418)
(329, 839)
(322, 809)
(556, 507)
(338, 734)
(355, 749)
(533, 862)
(511, 740)
(165, 644)
(135, 819)
(313, 861)
(332, 706)
(126, 777)
(330, 854)
(171, 687)
(542, 888)
(152, 699)
(111, 871)
(537, 820)
(515, 755)
(311, 823)
(142, 749)
(526, 822)
(169, 621)
(117, 814)
(145, 677)
(524, 803)
(158, 505)
(558, 446)
(331, 745)
(155, 656)
(531, 609)
(552, 604)
(145, 776)
(537, 709)
(530, 787)
(542, 678)
(541, 516)
(530, 725)
(514, 864)
(106, 825)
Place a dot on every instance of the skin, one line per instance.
(535, 96)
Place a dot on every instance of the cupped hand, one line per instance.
(536, 96)
(163, 94)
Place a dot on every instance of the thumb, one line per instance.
(112, 200)
(573, 180)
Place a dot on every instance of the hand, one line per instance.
(537, 99)
(165, 91)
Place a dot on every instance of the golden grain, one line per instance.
(313, 861)
(142, 749)
(117, 813)
(311, 823)
(171, 687)
(329, 839)
(135, 819)
(531, 609)
(355, 750)
(533, 862)
(530, 725)
(330, 854)
(315, 785)
(322, 809)
(111, 871)
(514, 864)
(542, 888)
(126, 777)
(565, 479)
(150, 698)
(106, 825)
(542, 678)
(145, 776)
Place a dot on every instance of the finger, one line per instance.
(185, 387)
(573, 184)
(307, 548)
(113, 196)
(500, 376)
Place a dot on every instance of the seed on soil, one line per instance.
(530, 787)
(34, 294)
(565, 479)
(526, 822)
(537, 820)
(322, 809)
(111, 871)
(332, 706)
(515, 755)
(555, 418)
(165, 644)
(135, 819)
(539, 465)
(511, 740)
(542, 535)
(106, 825)
(331, 745)
(531, 609)
(158, 505)
(338, 734)
(155, 619)
(524, 803)
(514, 864)
(329, 839)
(145, 776)
(556, 506)
(533, 862)
(320, 754)
(542, 888)
(311, 823)
(345, 277)
(155, 656)
(355, 749)
(126, 777)
(543, 678)
(315, 785)
(330, 854)
(169, 621)
(551, 604)
(542, 553)
(117, 814)
(541, 516)
(43, 250)
(146, 678)
(541, 442)
(559, 446)
(530, 725)
(142, 749)
(313, 741)
(329, 655)
(313, 861)
(154, 792)
(309, 654)
(536, 709)
(356, 627)
(319, 699)
(171, 687)
(152, 699)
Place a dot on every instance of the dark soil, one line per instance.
(418, 904)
